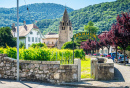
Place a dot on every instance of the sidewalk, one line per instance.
(25, 84)
(99, 84)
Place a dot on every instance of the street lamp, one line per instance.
(17, 40)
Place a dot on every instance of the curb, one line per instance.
(81, 85)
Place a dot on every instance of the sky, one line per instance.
(74, 4)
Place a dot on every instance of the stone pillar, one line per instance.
(78, 62)
(94, 62)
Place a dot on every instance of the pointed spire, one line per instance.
(65, 16)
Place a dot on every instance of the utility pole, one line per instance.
(17, 40)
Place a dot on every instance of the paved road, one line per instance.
(122, 73)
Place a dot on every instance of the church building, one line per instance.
(65, 32)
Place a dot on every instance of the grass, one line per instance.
(85, 68)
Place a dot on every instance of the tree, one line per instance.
(69, 45)
(120, 32)
(22, 45)
(90, 28)
(38, 45)
(6, 37)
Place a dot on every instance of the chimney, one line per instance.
(24, 23)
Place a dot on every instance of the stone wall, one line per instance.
(102, 71)
(46, 71)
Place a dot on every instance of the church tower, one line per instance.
(65, 30)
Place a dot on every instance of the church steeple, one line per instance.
(65, 16)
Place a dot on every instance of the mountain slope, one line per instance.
(37, 12)
(103, 15)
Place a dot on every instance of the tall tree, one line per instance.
(6, 37)
(90, 28)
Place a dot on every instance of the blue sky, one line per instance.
(75, 4)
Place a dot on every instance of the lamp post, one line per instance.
(17, 40)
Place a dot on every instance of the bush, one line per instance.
(22, 45)
(38, 45)
(79, 53)
(43, 54)
(69, 45)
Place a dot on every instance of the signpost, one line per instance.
(80, 34)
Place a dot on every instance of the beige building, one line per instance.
(65, 33)
(51, 40)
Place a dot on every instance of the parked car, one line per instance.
(96, 54)
(121, 58)
(103, 55)
(113, 55)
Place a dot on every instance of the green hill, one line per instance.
(103, 15)
(37, 11)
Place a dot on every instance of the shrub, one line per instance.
(69, 45)
(38, 45)
(43, 54)
(22, 45)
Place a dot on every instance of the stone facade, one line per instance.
(45, 71)
(65, 30)
(103, 69)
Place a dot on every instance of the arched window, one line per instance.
(70, 28)
(52, 42)
(63, 28)
(67, 23)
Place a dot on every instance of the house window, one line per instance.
(44, 42)
(31, 32)
(35, 39)
(28, 39)
(39, 40)
(63, 24)
(37, 33)
(52, 42)
(32, 39)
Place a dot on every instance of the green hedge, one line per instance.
(43, 54)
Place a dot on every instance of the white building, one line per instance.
(105, 50)
(28, 34)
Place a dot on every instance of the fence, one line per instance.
(63, 59)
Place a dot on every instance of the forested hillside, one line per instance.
(37, 12)
(103, 15)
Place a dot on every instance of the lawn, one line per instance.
(85, 68)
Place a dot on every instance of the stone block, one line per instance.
(1, 64)
(8, 65)
(13, 69)
(56, 75)
(40, 72)
(24, 61)
(23, 74)
(44, 62)
(61, 70)
(75, 76)
(8, 68)
(36, 65)
(36, 62)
